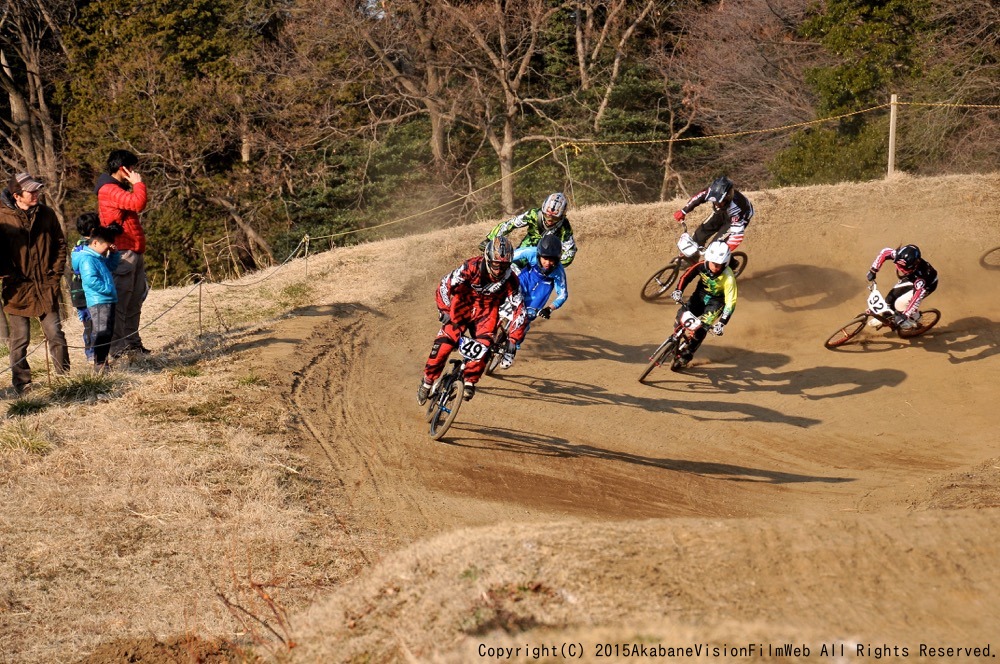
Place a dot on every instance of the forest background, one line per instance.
(258, 122)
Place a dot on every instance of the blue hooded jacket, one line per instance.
(96, 273)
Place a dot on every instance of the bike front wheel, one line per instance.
(738, 262)
(928, 319)
(660, 356)
(496, 354)
(661, 282)
(446, 406)
(847, 332)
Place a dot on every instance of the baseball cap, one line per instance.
(23, 182)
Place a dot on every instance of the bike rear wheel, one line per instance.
(447, 404)
(847, 332)
(660, 356)
(661, 282)
(928, 319)
(738, 262)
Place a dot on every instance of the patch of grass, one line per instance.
(252, 380)
(188, 371)
(471, 573)
(296, 294)
(27, 406)
(85, 387)
(25, 437)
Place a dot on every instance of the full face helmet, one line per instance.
(907, 258)
(550, 247)
(717, 256)
(499, 253)
(720, 192)
(553, 210)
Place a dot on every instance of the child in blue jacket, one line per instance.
(96, 263)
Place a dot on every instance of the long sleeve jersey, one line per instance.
(712, 286)
(532, 221)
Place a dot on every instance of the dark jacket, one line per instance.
(32, 258)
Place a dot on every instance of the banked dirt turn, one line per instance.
(775, 489)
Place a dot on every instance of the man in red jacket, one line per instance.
(121, 196)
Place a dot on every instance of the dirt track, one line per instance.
(767, 430)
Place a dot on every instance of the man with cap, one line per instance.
(32, 262)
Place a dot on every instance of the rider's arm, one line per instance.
(505, 227)
(882, 257)
(526, 254)
(562, 290)
(455, 279)
(695, 201)
(688, 276)
(568, 249)
(729, 290)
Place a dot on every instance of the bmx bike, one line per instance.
(879, 315)
(663, 280)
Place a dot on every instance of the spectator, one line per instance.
(95, 263)
(86, 224)
(121, 196)
(32, 269)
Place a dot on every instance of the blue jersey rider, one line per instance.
(540, 274)
(715, 296)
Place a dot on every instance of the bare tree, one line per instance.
(747, 68)
(32, 58)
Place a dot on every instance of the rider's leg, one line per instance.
(710, 228)
(482, 330)
(444, 343)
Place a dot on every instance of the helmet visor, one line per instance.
(497, 268)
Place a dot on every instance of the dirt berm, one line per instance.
(776, 492)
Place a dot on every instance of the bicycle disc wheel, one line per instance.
(738, 262)
(847, 332)
(661, 282)
(446, 407)
(660, 356)
(928, 319)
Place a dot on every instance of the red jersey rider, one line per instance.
(917, 280)
(469, 299)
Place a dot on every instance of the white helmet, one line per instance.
(554, 207)
(717, 252)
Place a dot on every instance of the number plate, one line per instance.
(472, 349)
(877, 303)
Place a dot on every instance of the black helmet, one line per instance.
(499, 252)
(907, 258)
(550, 247)
(720, 192)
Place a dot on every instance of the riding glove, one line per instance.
(679, 216)
(677, 296)
(871, 275)
(718, 328)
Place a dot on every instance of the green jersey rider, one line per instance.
(550, 219)
(713, 300)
